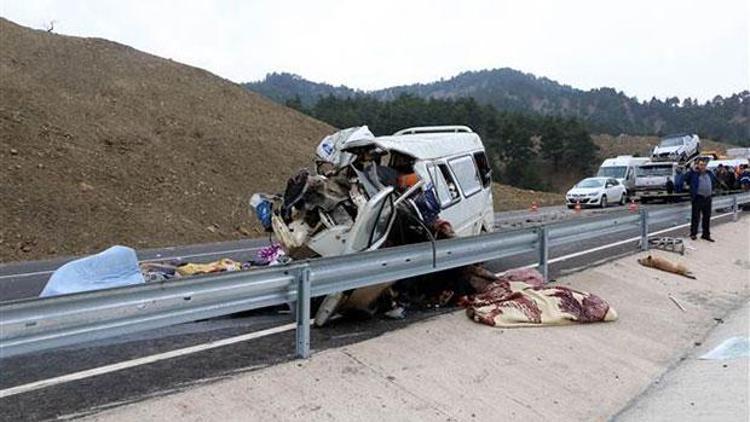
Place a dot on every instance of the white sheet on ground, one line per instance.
(731, 348)
(114, 267)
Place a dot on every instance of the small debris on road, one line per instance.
(674, 300)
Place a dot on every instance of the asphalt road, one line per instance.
(22, 280)
(110, 389)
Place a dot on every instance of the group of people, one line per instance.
(733, 178)
(703, 182)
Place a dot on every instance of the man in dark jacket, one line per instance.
(702, 183)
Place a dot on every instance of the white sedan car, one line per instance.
(596, 191)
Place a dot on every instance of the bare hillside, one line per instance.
(103, 144)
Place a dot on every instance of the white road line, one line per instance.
(166, 258)
(25, 388)
(25, 274)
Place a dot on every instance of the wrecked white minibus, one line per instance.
(369, 192)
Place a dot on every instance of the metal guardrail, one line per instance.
(39, 324)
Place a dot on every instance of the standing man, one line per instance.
(702, 182)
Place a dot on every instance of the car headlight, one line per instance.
(594, 194)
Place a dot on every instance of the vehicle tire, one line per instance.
(603, 202)
(623, 199)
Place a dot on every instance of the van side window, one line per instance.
(448, 177)
(467, 174)
(445, 193)
(485, 172)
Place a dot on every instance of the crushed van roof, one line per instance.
(427, 146)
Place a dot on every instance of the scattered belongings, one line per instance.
(676, 302)
(159, 271)
(731, 348)
(663, 264)
(669, 244)
(520, 299)
(221, 265)
(114, 267)
(118, 266)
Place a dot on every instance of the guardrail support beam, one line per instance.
(303, 313)
(734, 208)
(644, 229)
(544, 252)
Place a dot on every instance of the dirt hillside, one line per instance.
(511, 198)
(103, 144)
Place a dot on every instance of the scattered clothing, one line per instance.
(508, 303)
(665, 265)
(270, 255)
(114, 267)
(263, 209)
(211, 267)
(159, 271)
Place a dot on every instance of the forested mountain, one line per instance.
(283, 87)
(604, 110)
(525, 149)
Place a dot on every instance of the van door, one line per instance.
(473, 203)
(629, 181)
(488, 208)
(447, 192)
(373, 223)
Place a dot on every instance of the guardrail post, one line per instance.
(734, 207)
(544, 252)
(644, 229)
(303, 313)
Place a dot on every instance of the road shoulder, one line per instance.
(449, 368)
(701, 390)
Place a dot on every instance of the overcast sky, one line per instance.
(643, 47)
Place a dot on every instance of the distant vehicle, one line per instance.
(622, 168)
(596, 191)
(680, 148)
(656, 176)
(738, 153)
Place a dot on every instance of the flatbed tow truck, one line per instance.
(655, 181)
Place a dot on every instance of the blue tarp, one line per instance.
(114, 267)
